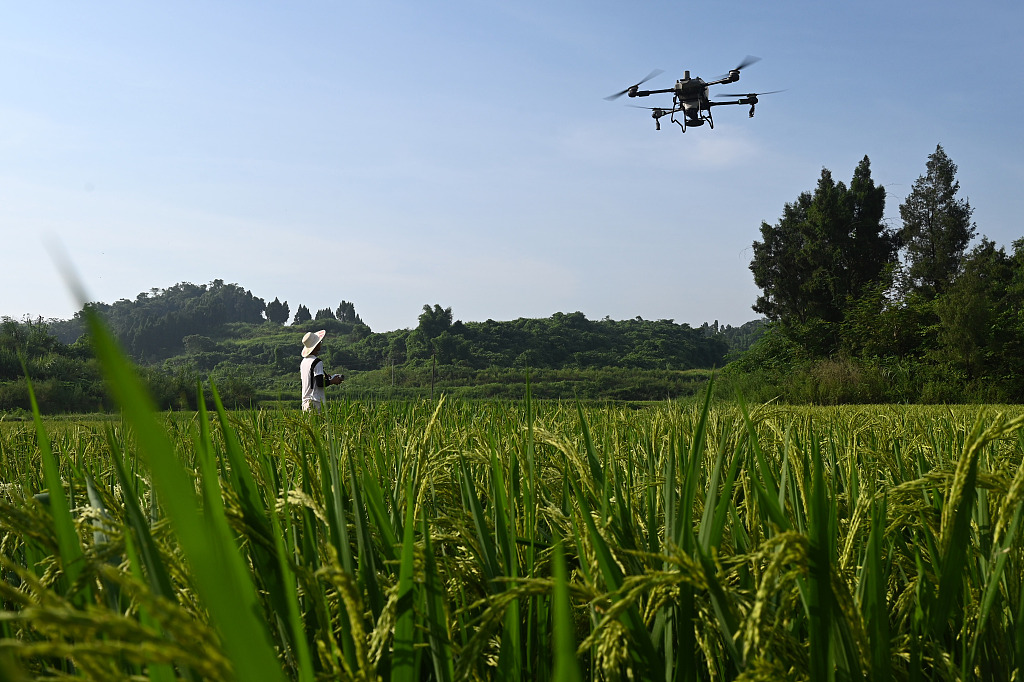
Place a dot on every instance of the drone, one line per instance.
(690, 97)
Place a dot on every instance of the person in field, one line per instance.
(311, 369)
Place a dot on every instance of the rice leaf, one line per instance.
(375, 504)
(484, 536)
(403, 662)
(644, 652)
(956, 528)
(232, 601)
(158, 672)
(566, 666)
(595, 465)
(366, 552)
(436, 620)
(876, 607)
(155, 569)
(821, 605)
(71, 556)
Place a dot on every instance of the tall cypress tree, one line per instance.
(302, 314)
(873, 246)
(936, 227)
(277, 311)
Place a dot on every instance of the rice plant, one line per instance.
(455, 540)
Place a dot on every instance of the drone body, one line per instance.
(691, 98)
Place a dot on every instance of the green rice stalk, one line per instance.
(645, 654)
(565, 664)
(436, 618)
(875, 605)
(71, 555)
(404, 657)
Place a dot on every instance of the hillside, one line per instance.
(221, 332)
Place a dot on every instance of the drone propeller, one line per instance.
(747, 94)
(649, 76)
(747, 61)
(658, 111)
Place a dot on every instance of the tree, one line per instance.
(874, 246)
(277, 311)
(970, 307)
(302, 315)
(936, 227)
(347, 313)
(825, 252)
(433, 321)
(1010, 325)
(324, 314)
(197, 343)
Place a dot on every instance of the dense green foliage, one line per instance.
(827, 249)
(944, 324)
(65, 376)
(156, 324)
(559, 342)
(253, 360)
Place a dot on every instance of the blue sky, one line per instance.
(396, 154)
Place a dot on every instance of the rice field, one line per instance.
(457, 540)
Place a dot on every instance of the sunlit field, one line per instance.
(513, 540)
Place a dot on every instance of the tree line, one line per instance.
(277, 311)
(251, 358)
(155, 324)
(861, 311)
(562, 341)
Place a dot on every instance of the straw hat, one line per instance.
(311, 340)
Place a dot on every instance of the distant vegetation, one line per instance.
(854, 310)
(190, 333)
(865, 312)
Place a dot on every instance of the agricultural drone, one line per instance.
(690, 97)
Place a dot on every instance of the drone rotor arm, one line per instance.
(645, 93)
(658, 112)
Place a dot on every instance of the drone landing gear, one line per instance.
(681, 124)
(686, 122)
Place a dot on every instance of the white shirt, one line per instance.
(313, 396)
